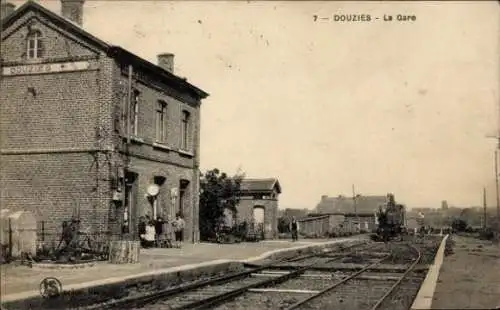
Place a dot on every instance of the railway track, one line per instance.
(306, 282)
(363, 289)
(369, 296)
(212, 292)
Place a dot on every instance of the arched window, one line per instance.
(34, 46)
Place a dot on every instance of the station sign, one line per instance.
(46, 68)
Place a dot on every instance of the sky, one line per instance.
(401, 107)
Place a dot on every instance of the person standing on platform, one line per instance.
(294, 228)
(150, 234)
(179, 230)
(159, 231)
(142, 230)
(169, 231)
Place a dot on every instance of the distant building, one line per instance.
(259, 203)
(444, 205)
(343, 204)
(297, 213)
(364, 221)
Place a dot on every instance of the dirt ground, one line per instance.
(469, 277)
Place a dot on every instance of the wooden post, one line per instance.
(484, 208)
(124, 252)
(43, 231)
(10, 240)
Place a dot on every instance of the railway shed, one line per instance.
(336, 224)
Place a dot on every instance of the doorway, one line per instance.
(258, 214)
(130, 204)
(183, 194)
(258, 220)
(156, 201)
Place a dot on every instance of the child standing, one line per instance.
(150, 234)
(159, 231)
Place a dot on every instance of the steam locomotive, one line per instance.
(391, 220)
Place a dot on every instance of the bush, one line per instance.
(486, 234)
(218, 192)
(459, 225)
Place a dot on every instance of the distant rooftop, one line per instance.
(260, 185)
(343, 204)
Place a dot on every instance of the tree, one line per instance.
(283, 225)
(459, 225)
(218, 192)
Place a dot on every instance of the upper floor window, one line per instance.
(185, 130)
(34, 46)
(134, 113)
(161, 121)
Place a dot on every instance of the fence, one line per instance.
(6, 243)
(17, 234)
(43, 241)
(49, 240)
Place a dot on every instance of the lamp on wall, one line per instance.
(152, 191)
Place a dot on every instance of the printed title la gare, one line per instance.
(368, 18)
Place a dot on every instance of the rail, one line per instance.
(213, 301)
(380, 301)
(322, 292)
(137, 301)
(398, 282)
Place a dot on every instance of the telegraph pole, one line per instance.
(355, 206)
(497, 148)
(354, 200)
(496, 183)
(484, 208)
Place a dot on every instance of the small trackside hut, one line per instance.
(258, 205)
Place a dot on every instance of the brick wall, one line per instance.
(60, 114)
(53, 192)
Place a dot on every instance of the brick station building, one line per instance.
(91, 130)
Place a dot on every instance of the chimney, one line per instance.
(7, 9)
(73, 10)
(166, 62)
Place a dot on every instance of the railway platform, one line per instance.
(22, 282)
(470, 277)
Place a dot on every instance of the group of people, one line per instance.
(161, 233)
